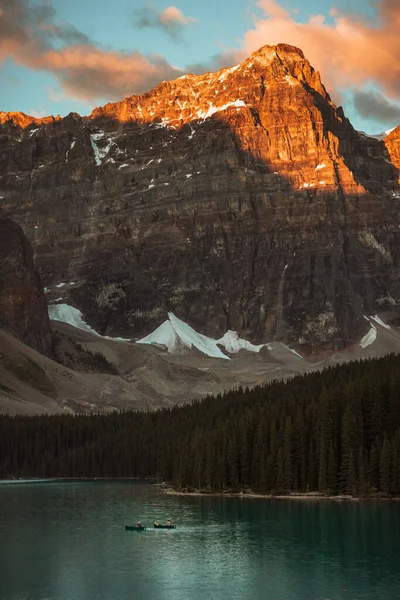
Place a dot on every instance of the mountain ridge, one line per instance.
(265, 52)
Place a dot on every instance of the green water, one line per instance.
(66, 541)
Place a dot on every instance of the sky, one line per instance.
(59, 56)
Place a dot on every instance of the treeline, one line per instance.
(335, 431)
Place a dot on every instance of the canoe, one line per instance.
(164, 526)
(134, 528)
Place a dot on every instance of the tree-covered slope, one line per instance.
(335, 431)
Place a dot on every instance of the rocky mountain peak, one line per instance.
(266, 54)
(192, 98)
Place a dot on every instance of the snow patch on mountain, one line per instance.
(380, 322)
(73, 316)
(233, 343)
(69, 314)
(214, 109)
(226, 72)
(369, 338)
(280, 347)
(71, 148)
(291, 80)
(99, 153)
(164, 335)
(176, 335)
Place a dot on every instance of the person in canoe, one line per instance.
(169, 523)
(139, 525)
(156, 523)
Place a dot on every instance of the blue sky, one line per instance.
(76, 54)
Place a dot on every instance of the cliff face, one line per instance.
(392, 143)
(242, 199)
(23, 306)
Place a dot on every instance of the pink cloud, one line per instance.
(170, 20)
(32, 38)
(89, 72)
(174, 15)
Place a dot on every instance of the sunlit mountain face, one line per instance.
(241, 200)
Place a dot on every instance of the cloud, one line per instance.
(33, 38)
(32, 29)
(350, 51)
(170, 20)
(87, 72)
(372, 105)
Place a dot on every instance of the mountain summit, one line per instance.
(241, 200)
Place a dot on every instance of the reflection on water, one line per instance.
(66, 541)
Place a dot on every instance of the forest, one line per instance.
(336, 431)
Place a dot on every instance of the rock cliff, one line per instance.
(392, 143)
(23, 306)
(242, 199)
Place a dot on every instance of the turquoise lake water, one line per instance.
(67, 541)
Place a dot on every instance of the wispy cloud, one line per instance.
(350, 52)
(170, 20)
(87, 72)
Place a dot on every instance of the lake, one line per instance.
(67, 541)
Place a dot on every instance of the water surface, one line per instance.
(66, 541)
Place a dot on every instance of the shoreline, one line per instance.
(295, 496)
(150, 481)
(169, 491)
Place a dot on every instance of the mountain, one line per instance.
(92, 373)
(239, 200)
(23, 306)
